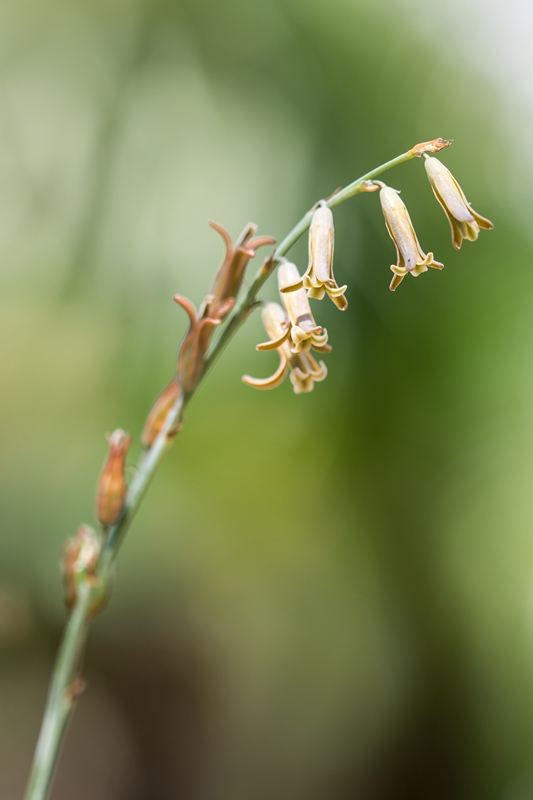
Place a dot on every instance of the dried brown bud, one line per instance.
(432, 146)
(158, 412)
(111, 492)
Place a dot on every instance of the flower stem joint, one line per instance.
(112, 486)
(80, 560)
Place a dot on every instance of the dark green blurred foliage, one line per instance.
(327, 596)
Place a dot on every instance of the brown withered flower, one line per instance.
(158, 412)
(216, 305)
(302, 331)
(303, 368)
(410, 256)
(194, 346)
(465, 223)
(230, 275)
(112, 487)
(318, 278)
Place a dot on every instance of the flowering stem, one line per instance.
(64, 685)
(61, 698)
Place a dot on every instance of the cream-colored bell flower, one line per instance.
(410, 256)
(464, 221)
(318, 278)
(302, 331)
(303, 368)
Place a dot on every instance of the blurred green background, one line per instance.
(323, 596)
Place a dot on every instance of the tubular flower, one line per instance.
(410, 256)
(111, 493)
(464, 221)
(301, 328)
(304, 370)
(229, 277)
(318, 278)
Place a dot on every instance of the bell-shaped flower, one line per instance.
(318, 278)
(303, 368)
(301, 329)
(410, 256)
(464, 221)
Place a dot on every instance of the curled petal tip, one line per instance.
(292, 287)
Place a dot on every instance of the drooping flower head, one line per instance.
(303, 368)
(464, 221)
(304, 332)
(410, 256)
(318, 278)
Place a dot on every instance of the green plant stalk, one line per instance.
(61, 700)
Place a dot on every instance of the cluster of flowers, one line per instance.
(292, 328)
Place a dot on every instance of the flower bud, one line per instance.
(158, 413)
(111, 492)
(464, 221)
(410, 256)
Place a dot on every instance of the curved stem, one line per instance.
(62, 694)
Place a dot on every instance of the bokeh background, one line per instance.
(324, 596)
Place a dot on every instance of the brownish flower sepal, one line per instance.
(159, 411)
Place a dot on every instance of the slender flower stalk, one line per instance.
(225, 311)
